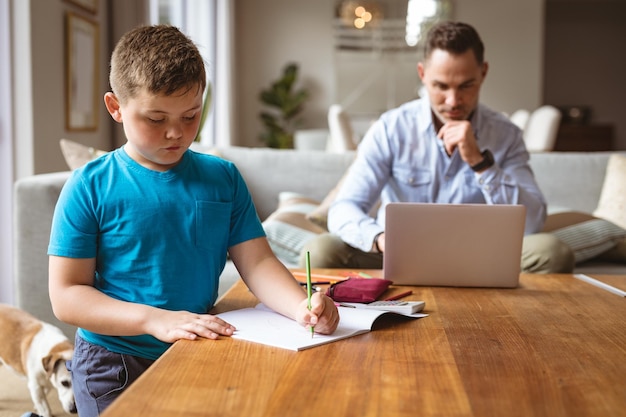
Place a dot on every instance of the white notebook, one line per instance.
(263, 325)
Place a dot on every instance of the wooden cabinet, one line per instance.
(584, 138)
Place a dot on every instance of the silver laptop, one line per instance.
(460, 245)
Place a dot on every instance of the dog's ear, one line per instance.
(60, 352)
(49, 363)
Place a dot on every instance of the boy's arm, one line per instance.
(272, 283)
(76, 301)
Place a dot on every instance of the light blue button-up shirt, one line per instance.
(401, 159)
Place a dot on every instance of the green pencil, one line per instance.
(309, 291)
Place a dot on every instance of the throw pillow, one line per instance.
(612, 203)
(617, 254)
(76, 154)
(590, 238)
(564, 219)
(288, 229)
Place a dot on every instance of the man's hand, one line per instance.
(458, 134)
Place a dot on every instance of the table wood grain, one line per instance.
(554, 346)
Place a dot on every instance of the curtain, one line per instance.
(6, 157)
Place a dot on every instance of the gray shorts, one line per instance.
(99, 376)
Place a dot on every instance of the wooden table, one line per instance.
(555, 346)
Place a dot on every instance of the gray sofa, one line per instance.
(568, 180)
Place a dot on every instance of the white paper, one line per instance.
(262, 325)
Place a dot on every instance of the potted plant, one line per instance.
(285, 104)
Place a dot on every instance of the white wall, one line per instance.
(271, 33)
(512, 31)
(39, 53)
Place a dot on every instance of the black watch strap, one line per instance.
(487, 161)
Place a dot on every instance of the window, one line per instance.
(209, 24)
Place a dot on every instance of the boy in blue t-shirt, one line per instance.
(140, 235)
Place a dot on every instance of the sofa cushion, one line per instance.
(76, 154)
(590, 238)
(585, 238)
(268, 171)
(559, 173)
(288, 229)
(612, 202)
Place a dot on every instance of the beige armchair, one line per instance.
(520, 118)
(542, 128)
(341, 138)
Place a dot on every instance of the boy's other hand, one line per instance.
(170, 326)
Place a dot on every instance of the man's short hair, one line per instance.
(455, 38)
(159, 59)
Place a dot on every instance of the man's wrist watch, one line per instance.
(487, 161)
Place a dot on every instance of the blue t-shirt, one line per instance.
(159, 238)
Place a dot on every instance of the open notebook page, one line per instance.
(263, 325)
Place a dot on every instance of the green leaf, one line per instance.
(288, 105)
(206, 106)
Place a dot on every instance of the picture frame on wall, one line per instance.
(88, 5)
(81, 74)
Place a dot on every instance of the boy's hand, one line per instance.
(323, 314)
(170, 326)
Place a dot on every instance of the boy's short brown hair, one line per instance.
(160, 59)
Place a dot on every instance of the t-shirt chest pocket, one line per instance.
(212, 224)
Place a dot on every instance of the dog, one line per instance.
(38, 351)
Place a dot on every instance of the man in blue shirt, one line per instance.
(443, 148)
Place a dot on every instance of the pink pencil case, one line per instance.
(358, 290)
